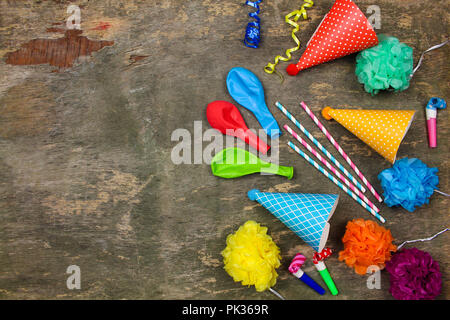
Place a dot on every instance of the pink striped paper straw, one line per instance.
(336, 181)
(329, 166)
(343, 154)
(320, 146)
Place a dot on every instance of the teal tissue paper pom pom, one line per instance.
(388, 65)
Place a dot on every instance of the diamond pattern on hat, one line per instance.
(304, 213)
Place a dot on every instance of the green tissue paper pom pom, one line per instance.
(387, 65)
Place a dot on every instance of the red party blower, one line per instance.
(225, 117)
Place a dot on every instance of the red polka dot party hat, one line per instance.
(343, 31)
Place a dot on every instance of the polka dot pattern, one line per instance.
(382, 130)
(344, 30)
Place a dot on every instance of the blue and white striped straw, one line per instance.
(319, 145)
(340, 185)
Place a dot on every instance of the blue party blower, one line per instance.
(295, 269)
(247, 90)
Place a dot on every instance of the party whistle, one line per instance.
(431, 111)
(323, 271)
(294, 268)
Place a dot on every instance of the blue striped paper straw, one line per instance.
(319, 145)
(330, 167)
(332, 178)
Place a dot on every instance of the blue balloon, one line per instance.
(247, 90)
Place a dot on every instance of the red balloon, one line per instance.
(225, 117)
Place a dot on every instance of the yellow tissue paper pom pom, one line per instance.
(251, 256)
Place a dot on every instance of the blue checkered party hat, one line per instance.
(304, 213)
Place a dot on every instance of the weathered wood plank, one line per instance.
(86, 176)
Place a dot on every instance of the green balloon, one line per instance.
(236, 162)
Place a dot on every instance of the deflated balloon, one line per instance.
(236, 162)
(226, 118)
(247, 90)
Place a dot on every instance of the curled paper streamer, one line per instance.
(277, 294)
(253, 30)
(422, 240)
(443, 193)
(295, 15)
(428, 50)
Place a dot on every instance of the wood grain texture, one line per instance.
(60, 52)
(86, 176)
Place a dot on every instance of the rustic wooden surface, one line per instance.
(86, 176)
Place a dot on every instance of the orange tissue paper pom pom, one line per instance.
(366, 244)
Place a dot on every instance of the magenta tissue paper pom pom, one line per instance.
(414, 275)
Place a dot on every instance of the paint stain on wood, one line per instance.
(60, 52)
(102, 26)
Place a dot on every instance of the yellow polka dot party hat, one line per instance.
(382, 130)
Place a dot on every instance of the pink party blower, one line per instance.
(431, 111)
(294, 268)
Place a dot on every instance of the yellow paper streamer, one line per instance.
(270, 67)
